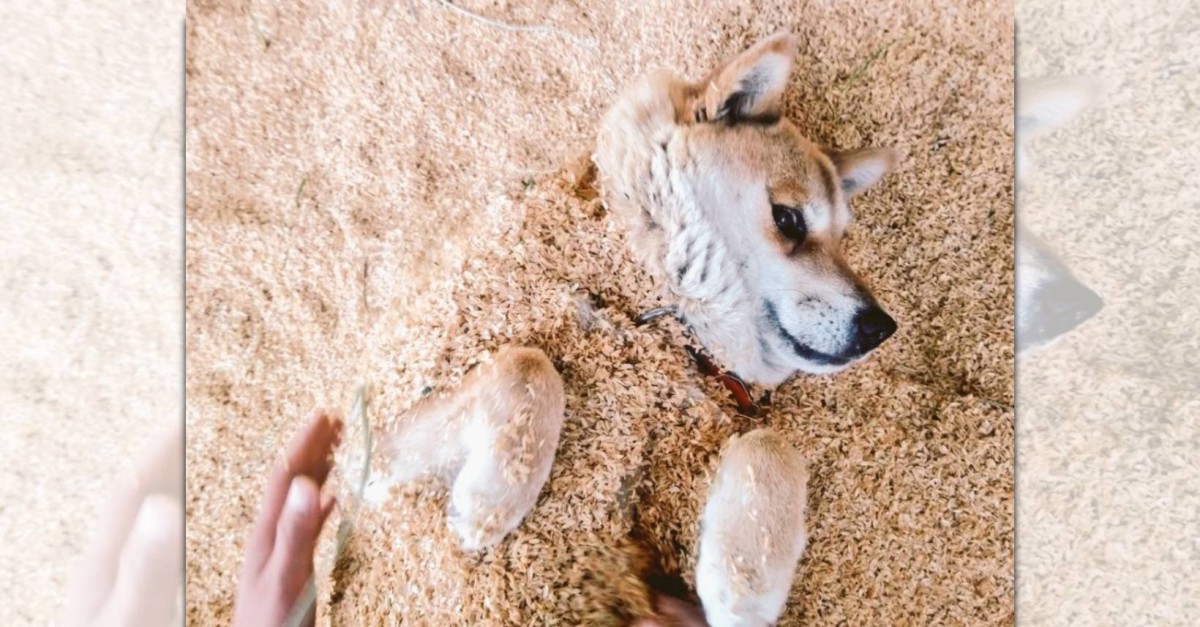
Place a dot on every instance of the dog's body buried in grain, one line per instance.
(492, 440)
(742, 217)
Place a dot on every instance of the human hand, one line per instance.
(672, 612)
(279, 553)
(132, 571)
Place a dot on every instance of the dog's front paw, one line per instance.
(377, 491)
(477, 530)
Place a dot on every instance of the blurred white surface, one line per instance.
(1108, 419)
(91, 268)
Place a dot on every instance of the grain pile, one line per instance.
(386, 191)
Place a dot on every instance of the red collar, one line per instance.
(732, 382)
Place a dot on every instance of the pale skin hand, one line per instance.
(132, 571)
(279, 552)
(673, 612)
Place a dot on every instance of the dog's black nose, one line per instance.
(1070, 302)
(874, 326)
(1066, 304)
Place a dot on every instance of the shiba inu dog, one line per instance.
(1051, 301)
(752, 532)
(493, 440)
(742, 217)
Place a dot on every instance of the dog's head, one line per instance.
(1050, 300)
(743, 216)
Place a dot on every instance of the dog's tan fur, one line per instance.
(492, 440)
(693, 170)
(752, 532)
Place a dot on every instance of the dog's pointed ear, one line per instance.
(860, 169)
(749, 87)
(1045, 104)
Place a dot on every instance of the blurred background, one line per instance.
(1108, 416)
(91, 274)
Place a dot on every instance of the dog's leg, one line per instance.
(425, 442)
(752, 530)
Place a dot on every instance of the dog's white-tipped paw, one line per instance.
(377, 491)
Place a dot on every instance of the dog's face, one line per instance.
(780, 205)
(744, 217)
(1051, 301)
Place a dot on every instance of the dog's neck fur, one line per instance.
(674, 238)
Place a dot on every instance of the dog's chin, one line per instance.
(1038, 338)
(809, 367)
(780, 363)
(796, 358)
(1039, 342)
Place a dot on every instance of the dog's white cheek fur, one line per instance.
(752, 531)
(493, 441)
(819, 313)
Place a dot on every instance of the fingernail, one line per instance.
(299, 497)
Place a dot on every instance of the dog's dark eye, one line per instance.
(790, 222)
